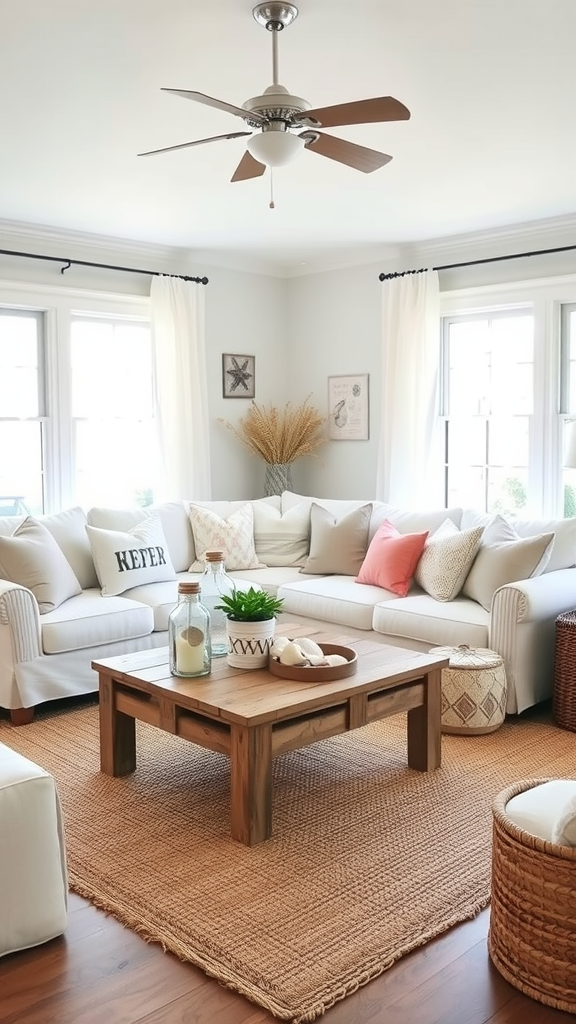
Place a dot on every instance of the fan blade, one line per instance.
(383, 108)
(197, 142)
(248, 168)
(350, 153)
(210, 101)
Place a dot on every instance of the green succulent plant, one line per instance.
(250, 605)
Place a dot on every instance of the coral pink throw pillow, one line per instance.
(392, 558)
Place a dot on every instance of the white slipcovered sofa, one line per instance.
(109, 579)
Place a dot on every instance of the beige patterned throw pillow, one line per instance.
(446, 560)
(234, 536)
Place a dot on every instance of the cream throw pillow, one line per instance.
(32, 558)
(446, 560)
(282, 539)
(127, 560)
(504, 558)
(234, 536)
(337, 546)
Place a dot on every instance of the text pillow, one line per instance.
(391, 559)
(337, 546)
(129, 559)
(233, 536)
(33, 559)
(446, 560)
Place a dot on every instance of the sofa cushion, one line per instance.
(422, 618)
(391, 559)
(88, 620)
(69, 531)
(333, 599)
(233, 536)
(503, 558)
(407, 521)
(127, 559)
(32, 558)
(446, 560)
(337, 545)
(281, 538)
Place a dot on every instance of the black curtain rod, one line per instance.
(102, 266)
(474, 263)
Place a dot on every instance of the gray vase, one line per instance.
(278, 478)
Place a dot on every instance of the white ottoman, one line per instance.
(473, 690)
(33, 877)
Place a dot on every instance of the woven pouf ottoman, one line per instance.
(532, 934)
(33, 874)
(564, 690)
(473, 690)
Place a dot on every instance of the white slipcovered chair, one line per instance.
(33, 876)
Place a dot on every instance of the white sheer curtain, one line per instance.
(409, 466)
(177, 314)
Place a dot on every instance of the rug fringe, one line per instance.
(229, 980)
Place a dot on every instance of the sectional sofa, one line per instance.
(80, 586)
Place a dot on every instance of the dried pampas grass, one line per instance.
(280, 435)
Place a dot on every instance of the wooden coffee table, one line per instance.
(254, 716)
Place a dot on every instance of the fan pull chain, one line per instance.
(271, 204)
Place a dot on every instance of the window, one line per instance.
(76, 400)
(22, 411)
(568, 399)
(488, 406)
(113, 437)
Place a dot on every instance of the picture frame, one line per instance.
(349, 407)
(238, 375)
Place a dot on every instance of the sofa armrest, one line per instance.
(20, 638)
(522, 631)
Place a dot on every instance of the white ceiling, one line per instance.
(491, 85)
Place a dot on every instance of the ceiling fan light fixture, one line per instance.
(275, 148)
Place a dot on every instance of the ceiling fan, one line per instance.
(277, 116)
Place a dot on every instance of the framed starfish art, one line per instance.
(238, 376)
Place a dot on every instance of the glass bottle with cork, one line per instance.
(189, 633)
(215, 585)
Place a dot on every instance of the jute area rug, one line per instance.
(368, 860)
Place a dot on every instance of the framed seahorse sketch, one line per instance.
(349, 407)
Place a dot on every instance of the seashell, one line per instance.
(310, 647)
(292, 654)
(335, 659)
(317, 659)
(278, 646)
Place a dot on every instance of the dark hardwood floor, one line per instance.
(101, 973)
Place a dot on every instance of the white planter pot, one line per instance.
(249, 643)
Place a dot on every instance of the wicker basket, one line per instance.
(532, 937)
(564, 694)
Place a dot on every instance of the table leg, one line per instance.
(251, 783)
(424, 726)
(117, 733)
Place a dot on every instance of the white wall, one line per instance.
(335, 329)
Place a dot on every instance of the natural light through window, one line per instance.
(488, 387)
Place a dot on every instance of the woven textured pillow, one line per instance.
(446, 560)
(126, 560)
(392, 558)
(32, 558)
(233, 536)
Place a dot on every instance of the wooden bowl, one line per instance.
(320, 673)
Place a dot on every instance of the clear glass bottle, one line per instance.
(189, 633)
(215, 585)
